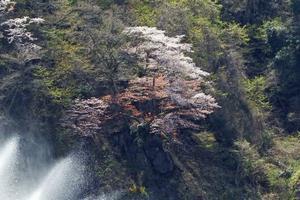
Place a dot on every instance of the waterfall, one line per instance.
(25, 178)
(62, 182)
(8, 162)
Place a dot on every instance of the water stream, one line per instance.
(26, 176)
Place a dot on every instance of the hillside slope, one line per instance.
(170, 99)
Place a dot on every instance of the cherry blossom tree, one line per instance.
(15, 31)
(167, 56)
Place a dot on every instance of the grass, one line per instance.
(206, 140)
(282, 167)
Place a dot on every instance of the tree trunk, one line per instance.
(153, 82)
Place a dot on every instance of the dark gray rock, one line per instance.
(163, 163)
(160, 159)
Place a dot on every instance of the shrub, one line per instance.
(255, 93)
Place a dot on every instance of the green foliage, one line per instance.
(135, 190)
(61, 80)
(105, 48)
(237, 34)
(267, 27)
(266, 140)
(295, 179)
(282, 166)
(251, 161)
(145, 13)
(206, 140)
(273, 175)
(59, 95)
(72, 2)
(253, 12)
(255, 93)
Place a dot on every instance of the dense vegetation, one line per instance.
(233, 132)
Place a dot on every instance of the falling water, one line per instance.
(21, 179)
(8, 159)
(63, 182)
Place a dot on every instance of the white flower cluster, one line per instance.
(6, 6)
(167, 52)
(17, 29)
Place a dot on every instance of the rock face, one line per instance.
(160, 160)
(151, 149)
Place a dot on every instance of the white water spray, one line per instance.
(25, 175)
(63, 182)
(8, 162)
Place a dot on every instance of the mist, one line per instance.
(28, 171)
